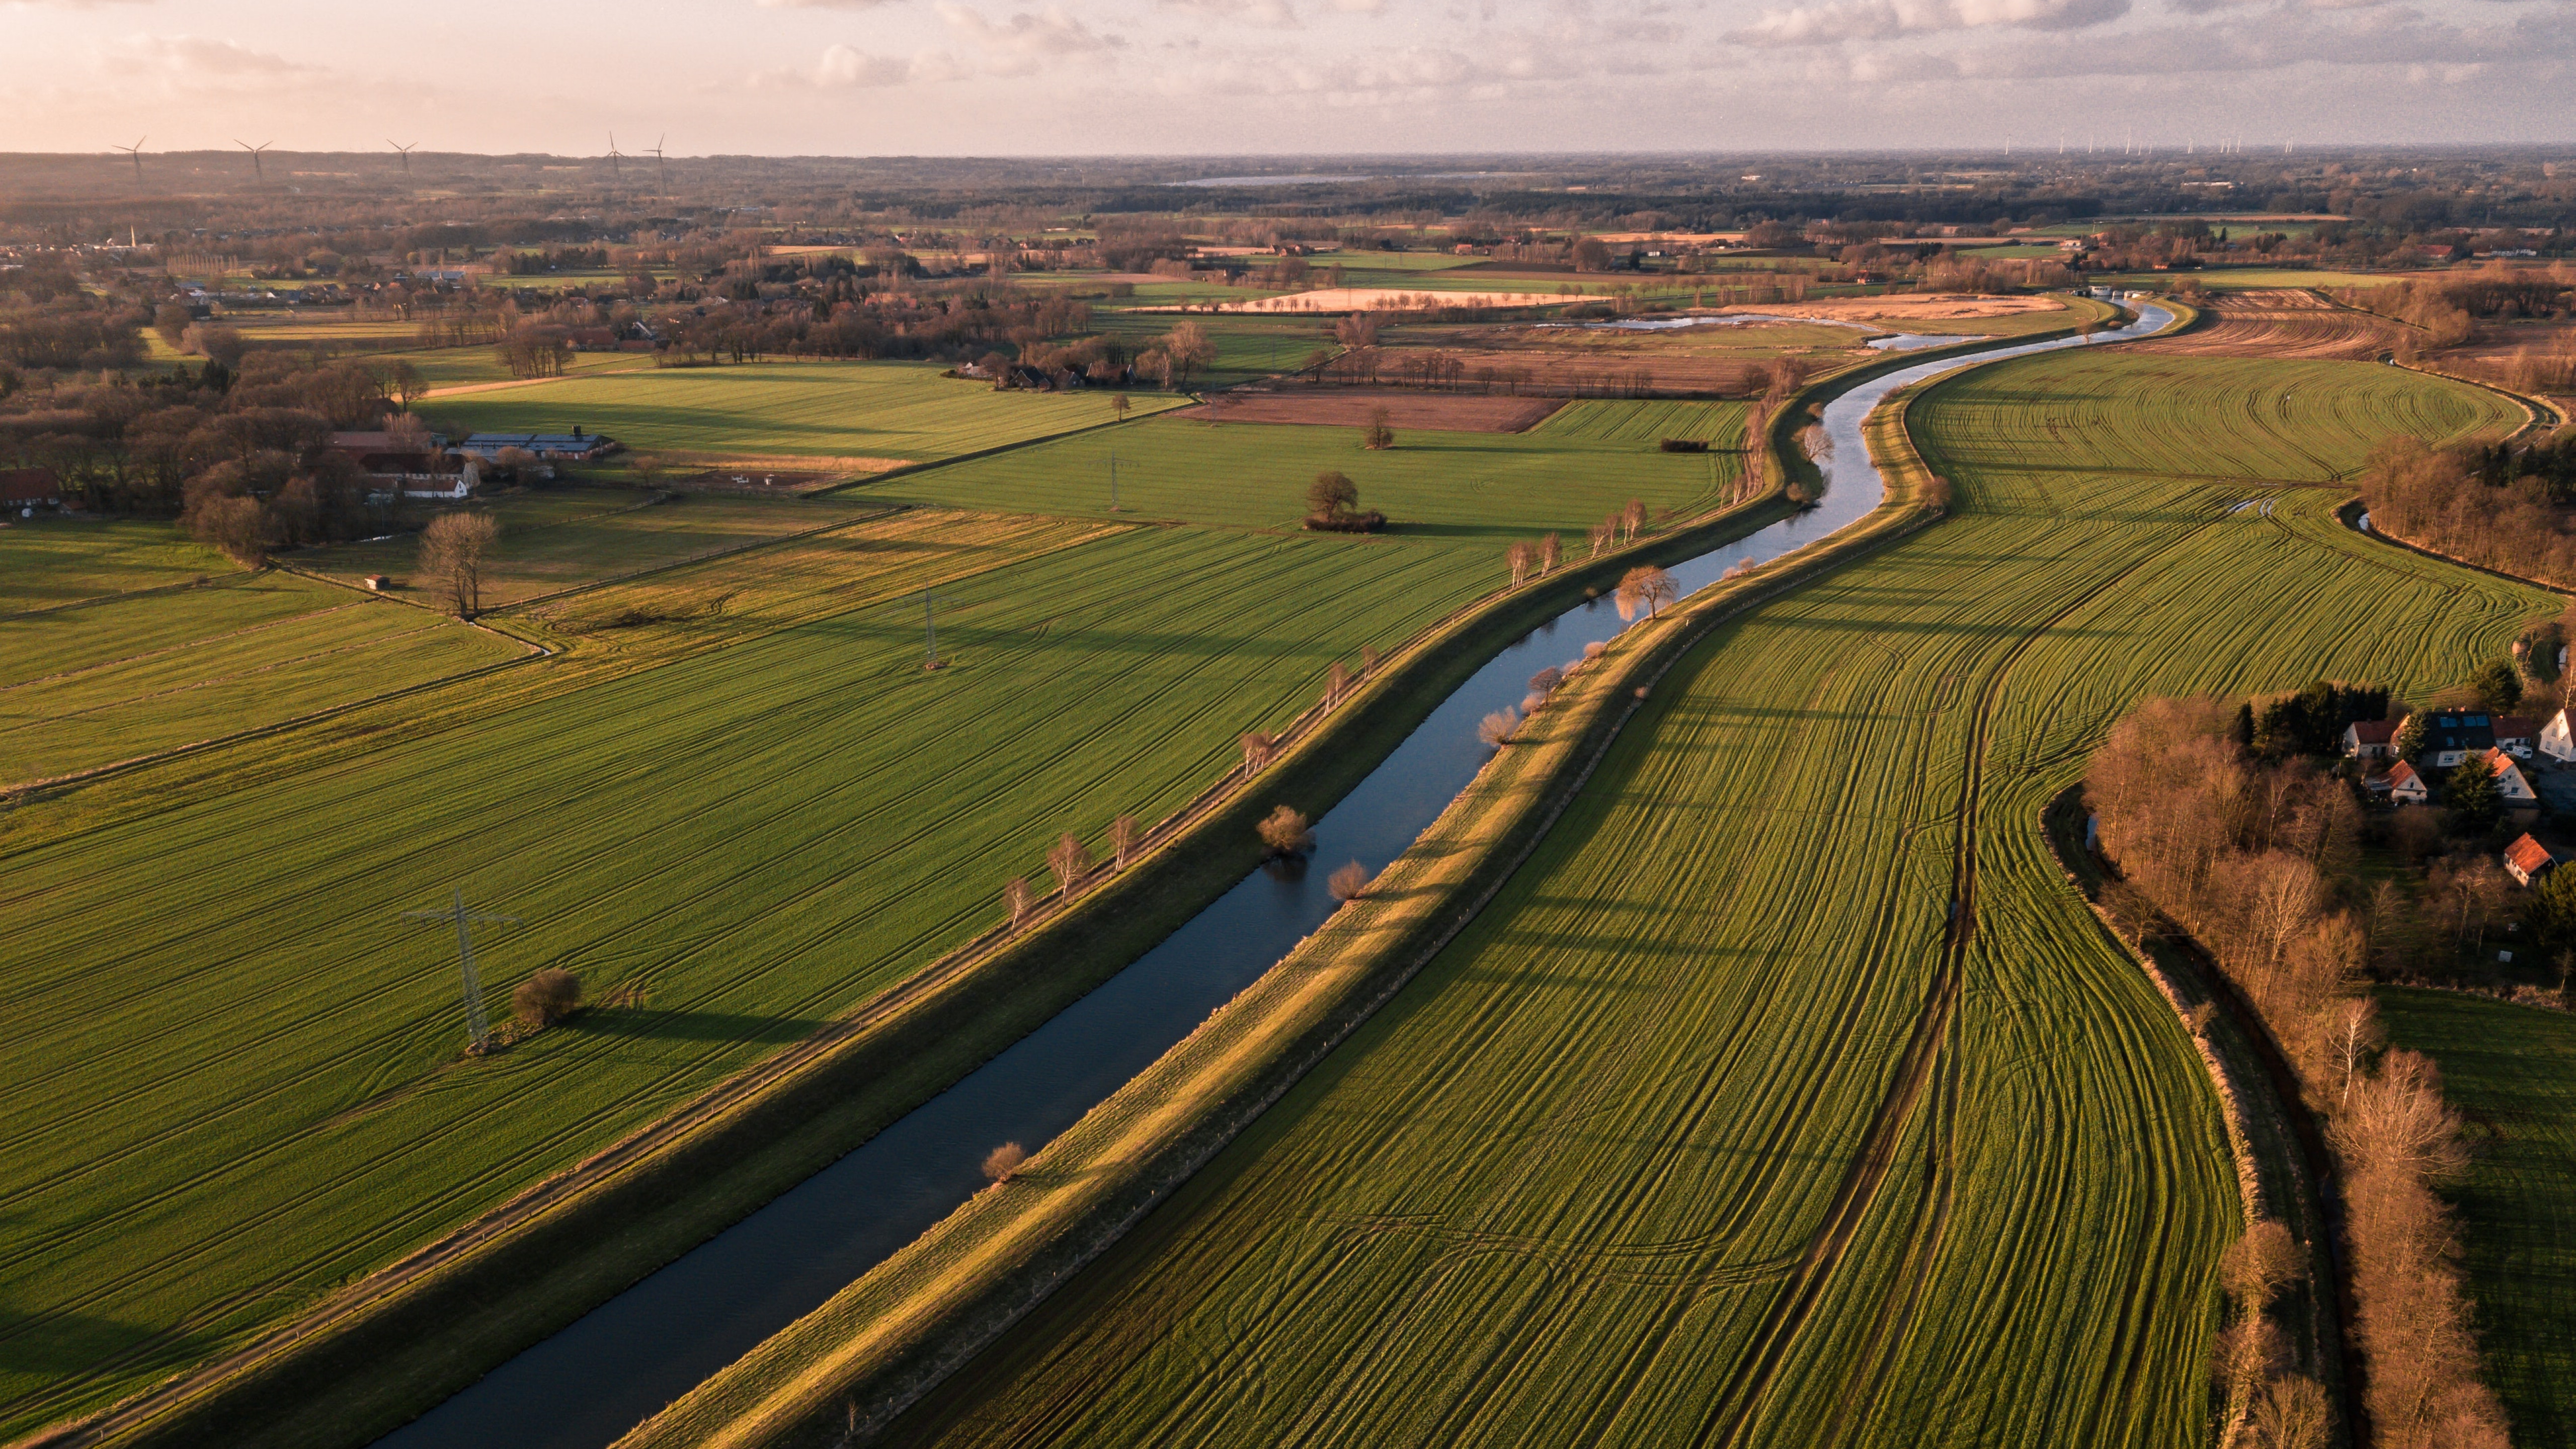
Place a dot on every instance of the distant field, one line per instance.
(1704, 1132)
(2228, 279)
(237, 1079)
(2511, 1070)
(56, 560)
(1246, 347)
(1646, 423)
(1490, 487)
(853, 412)
(111, 680)
(560, 538)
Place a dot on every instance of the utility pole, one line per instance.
(930, 627)
(478, 1029)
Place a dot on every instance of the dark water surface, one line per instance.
(621, 1362)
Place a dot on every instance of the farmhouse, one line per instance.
(575, 446)
(2515, 734)
(2452, 735)
(2510, 785)
(27, 489)
(2405, 786)
(2527, 860)
(2367, 739)
(2557, 741)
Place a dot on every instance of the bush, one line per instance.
(1003, 1161)
(546, 998)
(1286, 832)
(1349, 882)
(1496, 729)
(1370, 522)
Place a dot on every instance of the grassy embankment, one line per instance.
(2511, 1071)
(1866, 1174)
(700, 814)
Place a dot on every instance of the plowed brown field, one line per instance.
(2283, 322)
(1353, 407)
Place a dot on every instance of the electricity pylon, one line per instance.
(478, 1029)
(930, 626)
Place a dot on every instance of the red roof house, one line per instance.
(2527, 859)
(26, 487)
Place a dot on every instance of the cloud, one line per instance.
(2418, 48)
(820, 4)
(1268, 14)
(194, 62)
(846, 67)
(1843, 20)
(1025, 43)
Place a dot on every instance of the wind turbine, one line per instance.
(661, 170)
(405, 150)
(615, 171)
(135, 153)
(257, 170)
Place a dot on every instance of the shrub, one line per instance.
(1371, 521)
(1003, 1161)
(1496, 729)
(1684, 445)
(1349, 882)
(546, 998)
(1286, 832)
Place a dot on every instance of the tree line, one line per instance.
(2509, 508)
(2256, 859)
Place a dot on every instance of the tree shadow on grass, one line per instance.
(645, 1023)
(66, 1344)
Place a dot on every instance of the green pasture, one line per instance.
(2511, 1071)
(858, 411)
(561, 538)
(1486, 488)
(237, 1079)
(122, 677)
(1578, 1183)
(56, 560)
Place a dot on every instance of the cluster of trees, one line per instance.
(2514, 511)
(241, 455)
(50, 319)
(2254, 860)
(1333, 506)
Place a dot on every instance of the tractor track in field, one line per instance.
(1914, 1076)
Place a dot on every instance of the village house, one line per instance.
(2511, 787)
(2516, 734)
(2367, 739)
(2557, 739)
(28, 489)
(2452, 735)
(2405, 786)
(575, 446)
(2527, 860)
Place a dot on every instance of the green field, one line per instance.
(1246, 346)
(2511, 1071)
(561, 538)
(852, 413)
(46, 562)
(123, 677)
(1709, 1129)
(1475, 487)
(238, 1081)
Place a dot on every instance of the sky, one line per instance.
(1239, 77)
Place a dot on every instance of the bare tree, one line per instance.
(1349, 882)
(1126, 837)
(1645, 586)
(2258, 1265)
(1258, 748)
(1019, 898)
(1602, 533)
(1551, 552)
(1003, 1161)
(2353, 1031)
(1188, 349)
(1069, 861)
(452, 550)
(1633, 518)
(2294, 1413)
(1521, 556)
(1377, 436)
(1119, 404)
(1369, 658)
(1337, 682)
(1285, 831)
(1544, 682)
(1497, 729)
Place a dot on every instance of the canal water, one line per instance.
(620, 1363)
